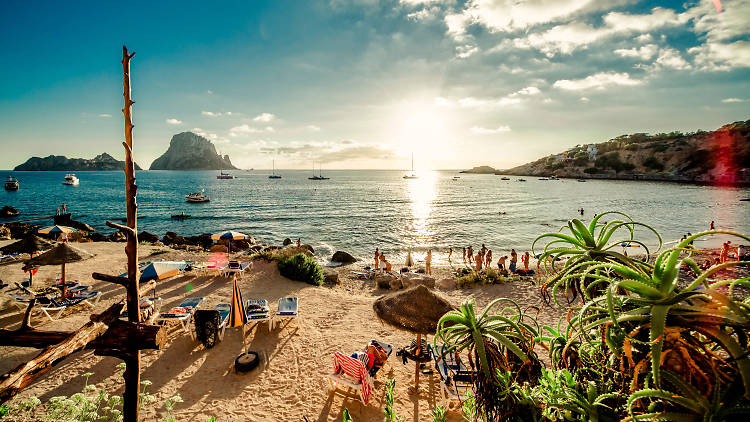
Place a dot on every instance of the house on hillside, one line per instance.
(592, 150)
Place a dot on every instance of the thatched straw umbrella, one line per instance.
(416, 310)
(61, 254)
(29, 244)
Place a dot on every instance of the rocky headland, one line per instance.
(188, 151)
(102, 162)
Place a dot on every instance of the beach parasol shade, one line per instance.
(56, 230)
(230, 235)
(159, 271)
(416, 310)
(60, 254)
(237, 315)
(29, 244)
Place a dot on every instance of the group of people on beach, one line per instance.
(483, 259)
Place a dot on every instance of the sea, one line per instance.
(359, 210)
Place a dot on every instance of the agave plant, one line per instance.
(501, 341)
(584, 245)
(566, 398)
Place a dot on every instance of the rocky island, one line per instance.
(102, 162)
(481, 170)
(721, 156)
(188, 151)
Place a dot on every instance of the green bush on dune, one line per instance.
(301, 267)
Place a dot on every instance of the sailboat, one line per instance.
(320, 174)
(412, 175)
(273, 172)
(222, 174)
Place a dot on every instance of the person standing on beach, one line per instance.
(501, 262)
(377, 257)
(488, 259)
(382, 260)
(299, 242)
(450, 253)
(470, 253)
(478, 261)
(724, 252)
(711, 226)
(525, 259)
(464, 255)
(484, 249)
(428, 262)
(513, 260)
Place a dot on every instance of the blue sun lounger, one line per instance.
(257, 311)
(288, 308)
(183, 313)
(455, 377)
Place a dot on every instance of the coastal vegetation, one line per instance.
(720, 156)
(102, 162)
(651, 339)
(301, 267)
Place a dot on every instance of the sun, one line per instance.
(421, 129)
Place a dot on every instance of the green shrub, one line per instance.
(653, 163)
(301, 267)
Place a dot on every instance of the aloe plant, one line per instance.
(582, 246)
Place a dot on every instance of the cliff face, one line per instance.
(481, 170)
(720, 156)
(188, 151)
(102, 161)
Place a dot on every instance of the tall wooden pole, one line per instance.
(132, 373)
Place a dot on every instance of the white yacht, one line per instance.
(197, 197)
(412, 175)
(71, 180)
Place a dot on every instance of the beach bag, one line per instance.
(207, 326)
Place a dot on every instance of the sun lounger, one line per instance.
(455, 378)
(353, 373)
(183, 313)
(237, 267)
(288, 308)
(210, 324)
(257, 311)
(6, 259)
(150, 308)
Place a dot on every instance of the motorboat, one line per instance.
(553, 178)
(521, 180)
(11, 183)
(581, 180)
(505, 178)
(197, 197)
(543, 178)
(273, 172)
(70, 180)
(181, 216)
(223, 175)
(412, 175)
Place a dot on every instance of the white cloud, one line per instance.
(424, 14)
(597, 81)
(105, 115)
(722, 57)
(465, 51)
(507, 15)
(566, 38)
(173, 121)
(210, 114)
(671, 58)
(644, 38)
(478, 130)
(645, 52)
(529, 90)
(489, 103)
(245, 128)
(584, 99)
(313, 128)
(457, 24)
(734, 100)
(264, 117)
(209, 92)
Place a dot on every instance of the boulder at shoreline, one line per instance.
(343, 257)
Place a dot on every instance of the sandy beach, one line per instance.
(290, 384)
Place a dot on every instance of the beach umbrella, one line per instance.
(229, 237)
(416, 310)
(56, 230)
(237, 315)
(159, 271)
(409, 260)
(60, 254)
(29, 244)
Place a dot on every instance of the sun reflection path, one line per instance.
(421, 194)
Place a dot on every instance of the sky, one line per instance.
(366, 83)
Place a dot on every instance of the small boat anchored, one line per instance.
(70, 180)
(11, 183)
(223, 175)
(273, 172)
(181, 216)
(319, 176)
(412, 175)
(505, 178)
(197, 197)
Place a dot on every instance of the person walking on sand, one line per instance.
(470, 253)
(488, 259)
(711, 226)
(513, 260)
(377, 258)
(525, 259)
(428, 262)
